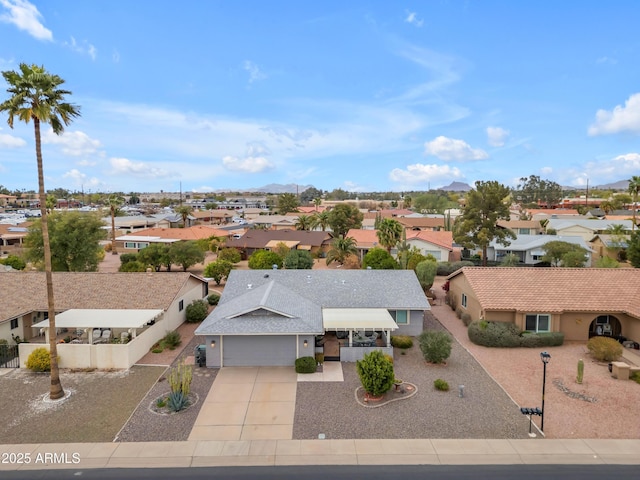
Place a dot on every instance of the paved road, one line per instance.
(432, 472)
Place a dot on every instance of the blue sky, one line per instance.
(359, 95)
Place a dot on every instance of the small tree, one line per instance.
(298, 260)
(264, 260)
(426, 273)
(435, 345)
(606, 262)
(218, 270)
(379, 259)
(376, 373)
(186, 254)
(230, 255)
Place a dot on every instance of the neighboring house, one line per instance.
(135, 242)
(272, 317)
(131, 223)
(612, 246)
(436, 243)
(579, 302)
(522, 227)
(212, 217)
(422, 223)
(548, 213)
(154, 302)
(365, 240)
(316, 242)
(276, 222)
(529, 248)
(12, 237)
(6, 200)
(584, 227)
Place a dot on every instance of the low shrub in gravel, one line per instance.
(376, 373)
(213, 298)
(604, 349)
(197, 311)
(466, 319)
(401, 341)
(435, 345)
(39, 360)
(171, 340)
(441, 385)
(305, 365)
(494, 334)
(542, 339)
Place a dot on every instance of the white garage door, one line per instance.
(250, 351)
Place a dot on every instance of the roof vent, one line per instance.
(249, 286)
(343, 282)
(266, 275)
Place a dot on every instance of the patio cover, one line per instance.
(79, 318)
(357, 319)
(288, 243)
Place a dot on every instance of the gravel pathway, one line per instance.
(485, 411)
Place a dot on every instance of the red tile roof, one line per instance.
(364, 238)
(196, 232)
(440, 238)
(555, 290)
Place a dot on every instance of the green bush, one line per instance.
(604, 349)
(447, 268)
(435, 345)
(14, 261)
(213, 298)
(134, 266)
(264, 260)
(401, 341)
(319, 357)
(128, 257)
(466, 319)
(305, 365)
(376, 373)
(635, 376)
(171, 340)
(441, 385)
(218, 270)
(197, 311)
(177, 401)
(494, 334)
(543, 339)
(230, 255)
(39, 360)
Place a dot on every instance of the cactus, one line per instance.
(580, 371)
(180, 378)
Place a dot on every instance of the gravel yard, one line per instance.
(98, 405)
(485, 411)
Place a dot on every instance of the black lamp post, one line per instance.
(545, 357)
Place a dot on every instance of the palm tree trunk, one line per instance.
(56, 387)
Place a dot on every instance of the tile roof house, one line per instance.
(12, 237)
(134, 242)
(529, 248)
(585, 227)
(436, 243)
(422, 223)
(522, 227)
(612, 246)
(25, 303)
(272, 317)
(317, 242)
(580, 302)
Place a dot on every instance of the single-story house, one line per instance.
(522, 227)
(529, 248)
(365, 240)
(211, 217)
(579, 302)
(316, 242)
(422, 223)
(272, 317)
(135, 242)
(612, 246)
(585, 227)
(144, 306)
(12, 237)
(437, 243)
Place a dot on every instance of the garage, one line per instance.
(263, 350)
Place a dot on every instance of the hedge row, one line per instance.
(508, 335)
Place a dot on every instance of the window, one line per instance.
(400, 316)
(14, 323)
(136, 245)
(464, 300)
(181, 305)
(537, 322)
(525, 231)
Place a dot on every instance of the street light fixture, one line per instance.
(545, 357)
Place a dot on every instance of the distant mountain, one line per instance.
(456, 187)
(279, 188)
(619, 185)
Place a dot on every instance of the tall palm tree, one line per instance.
(634, 189)
(184, 211)
(321, 219)
(317, 202)
(305, 222)
(35, 95)
(341, 248)
(389, 233)
(115, 202)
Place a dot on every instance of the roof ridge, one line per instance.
(267, 292)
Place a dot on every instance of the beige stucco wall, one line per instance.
(459, 285)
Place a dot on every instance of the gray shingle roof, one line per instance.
(300, 295)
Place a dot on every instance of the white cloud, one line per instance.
(9, 141)
(84, 48)
(603, 171)
(81, 179)
(451, 149)
(620, 119)
(124, 166)
(247, 164)
(412, 18)
(255, 73)
(546, 170)
(419, 173)
(25, 16)
(496, 136)
(76, 144)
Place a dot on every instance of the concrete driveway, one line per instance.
(248, 403)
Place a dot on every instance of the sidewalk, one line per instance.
(319, 452)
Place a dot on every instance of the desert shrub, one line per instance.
(305, 365)
(197, 311)
(264, 260)
(177, 401)
(128, 257)
(319, 357)
(155, 349)
(134, 266)
(635, 376)
(39, 360)
(460, 264)
(426, 273)
(376, 373)
(604, 349)
(231, 255)
(161, 402)
(444, 269)
(213, 298)
(389, 358)
(435, 345)
(401, 341)
(543, 339)
(171, 340)
(218, 270)
(459, 311)
(298, 260)
(14, 261)
(494, 334)
(466, 319)
(441, 385)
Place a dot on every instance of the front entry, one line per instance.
(605, 325)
